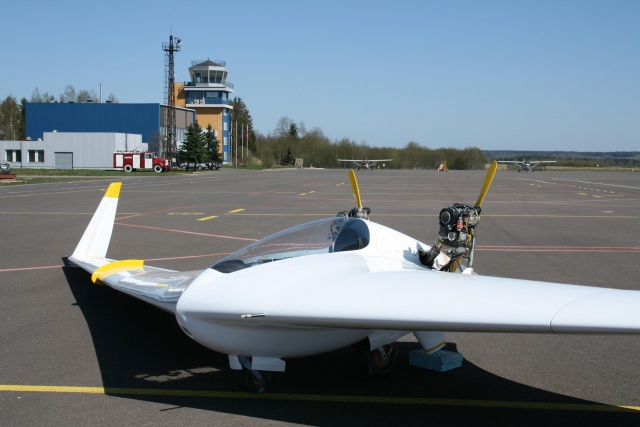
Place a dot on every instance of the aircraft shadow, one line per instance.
(140, 347)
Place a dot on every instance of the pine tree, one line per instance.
(194, 149)
(211, 142)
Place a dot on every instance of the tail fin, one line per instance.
(95, 240)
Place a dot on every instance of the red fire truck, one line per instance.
(132, 160)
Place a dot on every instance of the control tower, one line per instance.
(209, 94)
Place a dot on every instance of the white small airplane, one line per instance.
(526, 166)
(253, 306)
(365, 164)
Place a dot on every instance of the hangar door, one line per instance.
(64, 161)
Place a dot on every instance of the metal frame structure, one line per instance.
(170, 146)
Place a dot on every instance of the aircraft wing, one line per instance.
(349, 293)
(153, 285)
(537, 162)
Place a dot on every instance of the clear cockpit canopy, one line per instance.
(327, 235)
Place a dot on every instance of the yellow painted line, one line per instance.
(311, 192)
(426, 401)
(116, 267)
(302, 194)
(595, 195)
(206, 218)
(237, 210)
(583, 194)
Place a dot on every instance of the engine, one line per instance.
(456, 222)
(457, 225)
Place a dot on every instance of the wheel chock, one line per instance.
(439, 361)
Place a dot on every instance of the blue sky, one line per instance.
(500, 74)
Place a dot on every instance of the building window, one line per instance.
(212, 95)
(224, 125)
(224, 139)
(13, 156)
(36, 156)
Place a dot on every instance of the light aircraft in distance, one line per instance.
(364, 286)
(526, 166)
(365, 164)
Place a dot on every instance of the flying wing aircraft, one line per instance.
(245, 307)
(526, 166)
(365, 164)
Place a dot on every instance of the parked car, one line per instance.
(200, 166)
(5, 167)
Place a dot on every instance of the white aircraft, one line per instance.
(526, 166)
(365, 164)
(253, 306)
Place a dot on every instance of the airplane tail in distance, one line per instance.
(95, 240)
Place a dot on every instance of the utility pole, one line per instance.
(170, 147)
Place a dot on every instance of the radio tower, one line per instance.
(170, 148)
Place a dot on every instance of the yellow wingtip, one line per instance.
(114, 190)
(116, 267)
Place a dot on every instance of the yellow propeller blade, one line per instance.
(354, 187)
(487, 183)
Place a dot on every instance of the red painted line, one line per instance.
(9, 270)
(189, 232)
(558, 249)
(13, 270)
(564, 247)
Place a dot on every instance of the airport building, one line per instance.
(209, 94)
(72, 150)
(205, 98)
(148, 120)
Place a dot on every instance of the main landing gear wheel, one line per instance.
(382, 360)
(255, 381)
(378, 362)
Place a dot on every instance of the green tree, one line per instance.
(293, 132)
(241, 119)
(194, 149)
(288, 159)
(211, 143)
(10, 119)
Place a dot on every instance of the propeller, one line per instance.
(358, 211)
(488, 179)
(354, 187)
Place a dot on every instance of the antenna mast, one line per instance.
(170, 147)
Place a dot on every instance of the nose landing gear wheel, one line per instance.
(255, 381)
